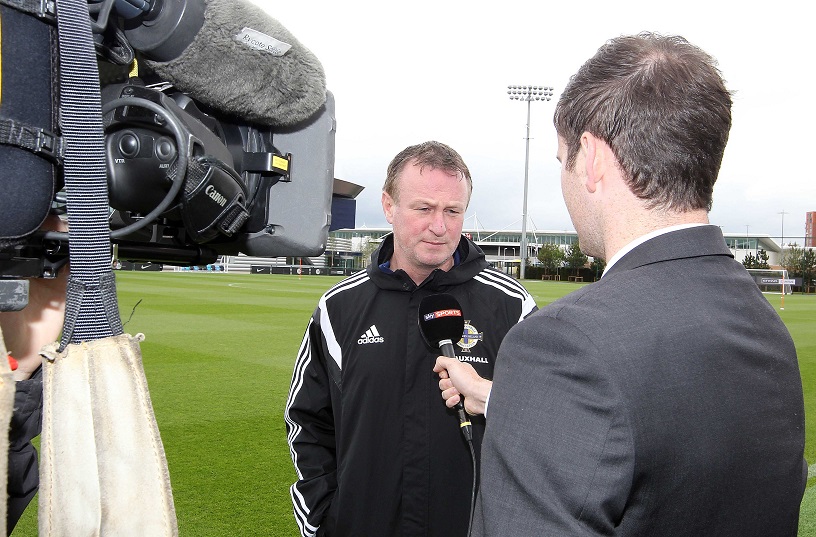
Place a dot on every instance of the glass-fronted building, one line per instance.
(502, 247)
(348, 250)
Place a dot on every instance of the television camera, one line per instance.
(187, 181)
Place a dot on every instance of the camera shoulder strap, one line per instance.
(92, 311)
(103, 469)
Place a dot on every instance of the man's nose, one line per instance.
(437, 224)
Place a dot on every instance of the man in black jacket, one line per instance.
(375, 450)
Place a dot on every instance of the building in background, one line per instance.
(810, 229)
(348, 250)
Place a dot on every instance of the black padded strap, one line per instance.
(42, 9)
(37, 140)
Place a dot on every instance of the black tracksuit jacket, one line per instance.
(377, 452)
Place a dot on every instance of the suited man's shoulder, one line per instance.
(597, 295)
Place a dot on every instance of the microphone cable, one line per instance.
(465, 425)
(474, 487)
(467, 432)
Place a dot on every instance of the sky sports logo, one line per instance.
(442, 313)
(370, 336)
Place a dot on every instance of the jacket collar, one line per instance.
(684, 243)
(471, 262)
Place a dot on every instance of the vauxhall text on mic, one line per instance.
(441, 323)
(232, 56)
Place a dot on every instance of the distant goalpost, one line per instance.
(772, 280)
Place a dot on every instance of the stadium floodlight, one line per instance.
(782, 239)
(529, 94)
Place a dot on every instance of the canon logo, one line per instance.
(370, 339)
(214, 195)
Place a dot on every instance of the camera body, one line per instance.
(247, 189)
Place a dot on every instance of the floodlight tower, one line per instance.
(782, 240)
(529, 94)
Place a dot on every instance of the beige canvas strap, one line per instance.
(6, 408)
(103, 470)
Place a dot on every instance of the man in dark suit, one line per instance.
(666, 398)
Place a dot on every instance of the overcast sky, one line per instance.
(406, 72)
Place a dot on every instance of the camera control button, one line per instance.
(165, 150)
(129, 145)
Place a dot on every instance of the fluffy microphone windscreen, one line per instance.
(233, 67)
(440, 317)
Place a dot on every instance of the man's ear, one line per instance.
(388, 207)
(595, 159)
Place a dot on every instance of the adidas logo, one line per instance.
(371, 336)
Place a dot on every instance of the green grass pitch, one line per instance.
(218, 356)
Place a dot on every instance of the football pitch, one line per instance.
(218, 355)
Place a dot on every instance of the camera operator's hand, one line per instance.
(25, 332)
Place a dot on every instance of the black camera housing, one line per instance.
(287, 200)
(248, 189)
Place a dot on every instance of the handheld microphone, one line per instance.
(441, 323)
(231, 56)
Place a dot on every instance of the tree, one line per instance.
(808, 269)
(367, 249)
(597, 267)
(576, 259)
(800, 262)
(551, 257)
(758, 261)
(762, 260)
(749, 261)
(792, 260)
